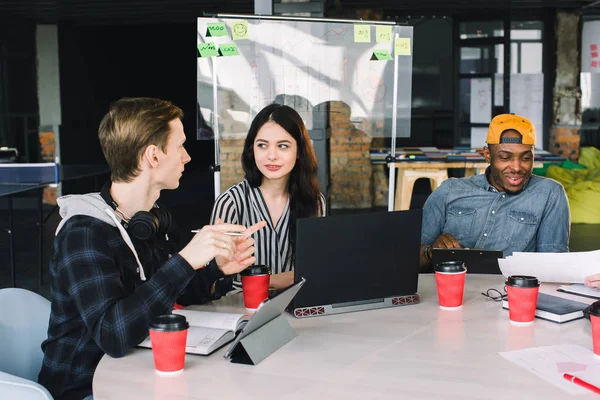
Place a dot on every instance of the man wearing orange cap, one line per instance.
(507, 208)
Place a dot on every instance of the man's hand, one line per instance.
(211, 242)
(446, 241)
(244, 248)
(593, 280)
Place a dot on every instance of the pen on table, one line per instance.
(582, 383)
(226, 233)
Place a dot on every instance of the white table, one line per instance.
(412, 352)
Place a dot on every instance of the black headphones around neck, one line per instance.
(143, 225)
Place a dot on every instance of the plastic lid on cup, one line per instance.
(450, 267)
(256, 270)
(522, 281)
(169, 323)
(595, 309)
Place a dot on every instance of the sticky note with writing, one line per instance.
(383, 34)
(226, 50)
(381, 55)
(239, 30)
(216, 29)
(362, 33)
(207, 50)
(402, 47)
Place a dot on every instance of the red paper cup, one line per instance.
(450, 288)
(595, 320)
(255, 285)
(522, 294)
(168, 334)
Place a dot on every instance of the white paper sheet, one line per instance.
(553, 267)
(478, 137)
(527, 99)
(551, 362)
(583, 290)
(481, 99)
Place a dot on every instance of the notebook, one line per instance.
(208, 330)
(555, 309)
(357, 262)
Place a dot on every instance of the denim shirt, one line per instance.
(479, 217)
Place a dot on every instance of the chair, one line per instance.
(23, 327)
(406, 182)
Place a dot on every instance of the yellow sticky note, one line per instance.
(402, 47)
(239, 30)
(383, 34)
(362, 33)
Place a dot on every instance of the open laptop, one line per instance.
(357, 262)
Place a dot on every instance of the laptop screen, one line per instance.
(357, 258)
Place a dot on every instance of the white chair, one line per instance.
(23, 326)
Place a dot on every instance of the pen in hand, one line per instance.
(226, 233)
(582, 383)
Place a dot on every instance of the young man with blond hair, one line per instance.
(507, 208)
(112, 268)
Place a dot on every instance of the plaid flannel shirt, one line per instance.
(100, 305)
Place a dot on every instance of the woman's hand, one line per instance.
(282, 280)
(593, 280)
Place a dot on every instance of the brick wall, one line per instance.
(379, 179)
(565, 142)
(351, 170)
(48, 152)
(231, 162)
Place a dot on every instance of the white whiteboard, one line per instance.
(308, 63)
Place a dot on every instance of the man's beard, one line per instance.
(516, 192)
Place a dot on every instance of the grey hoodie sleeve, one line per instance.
(116, 316)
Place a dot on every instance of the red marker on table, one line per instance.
(582, 383)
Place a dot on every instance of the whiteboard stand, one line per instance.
(215, 124)
(392, 156)
(271, 60)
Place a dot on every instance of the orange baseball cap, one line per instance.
(504, 122)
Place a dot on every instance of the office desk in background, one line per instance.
(21, 178)
(413, 163)
(411, 352)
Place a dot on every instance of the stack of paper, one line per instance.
(552, 267)
(581, 290)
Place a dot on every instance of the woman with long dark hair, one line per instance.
(280, 186)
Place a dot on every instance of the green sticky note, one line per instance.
(239, 30)
(362, 33)
(402, 47)
(226, 50)
(381, 55)
(216, 29)
(383, 34)
(208, 50)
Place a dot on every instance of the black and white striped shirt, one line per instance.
(245, 205)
